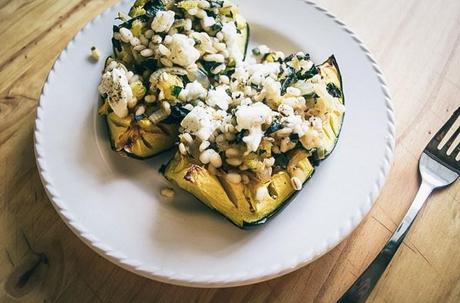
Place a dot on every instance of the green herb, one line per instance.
(176, 90)
(139, 117)
(275, 126)
(311, 96)
(239, 136)
(256, 51)
(217, 27)
(208, 66)
(150, 64)
(178, 113)
(289, 58)
(281, 160)
(116, 44)
(216, 3)
(333, 90)
(294, 138)
(308, 74)
(304, 57)
(314, 158)
(154, 6)
(290, 79)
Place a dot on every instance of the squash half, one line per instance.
(237, 202)
(330, 71)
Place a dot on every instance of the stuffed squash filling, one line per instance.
(249, 132)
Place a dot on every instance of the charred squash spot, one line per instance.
(191, 172)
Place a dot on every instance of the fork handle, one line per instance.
(363, 286)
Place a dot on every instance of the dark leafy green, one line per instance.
(290, 79)
(281, 160)
(239, 136)
(176, 90)
(153, 6)
(294, 138)
(128, 24)
(178, 113)
(275, 126)
(308, 74)
(208, 66)
(216, 3)
(139, 118)
(333, 90)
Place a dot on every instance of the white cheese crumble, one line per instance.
(182, 49)
(115, 85)
(271, 90)
(218, 97)
(193, 91)
(163, 21)
(201, 121)
(252, 117)
(231, 37)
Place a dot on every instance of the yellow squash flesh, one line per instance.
(141, 139)
(238, 202)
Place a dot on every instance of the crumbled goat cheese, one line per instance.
(182, 49)
(201, 121)
(207, 22)
(263, 49)
(297, 124)
(231, 37)
(252, 117)
(163, 21)
(115, 85)
(193, 91)
(266, 69)
(271, 89)
(218, 97)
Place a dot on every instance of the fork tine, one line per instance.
(455, 126)
(454, 144)
(445, 145)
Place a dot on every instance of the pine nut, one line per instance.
(216, 160)
(167, 192)
(147, 52)
(234, 161)
(296, 183)
(182, 149)
(234, 178)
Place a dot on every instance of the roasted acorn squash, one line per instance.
(139, 139)
(329, 70)
(237, 201)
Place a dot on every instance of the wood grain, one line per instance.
(416, 42)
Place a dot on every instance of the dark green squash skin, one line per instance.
(248, 34)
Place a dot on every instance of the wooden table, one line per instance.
(416, 42)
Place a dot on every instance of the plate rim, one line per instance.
(221, 280)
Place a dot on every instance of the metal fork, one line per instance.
(439, 166)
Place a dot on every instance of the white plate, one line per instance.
(113, 203)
